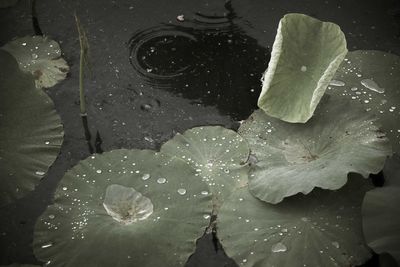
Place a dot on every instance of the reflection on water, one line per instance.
(207, 58)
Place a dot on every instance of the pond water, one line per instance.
(162, 67)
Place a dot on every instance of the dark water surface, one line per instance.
(155, 72)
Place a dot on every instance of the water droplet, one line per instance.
(64, 188)
(180, 18)
(303, 68)
(161, 180)
(278, 247)
(47, 143)
(206, 216)
(335, 244)
(47, 245)
(354, 89)
(244, 260)
(40, 173)
(145, 176)
(373, 86)
(181, 191)
(337, 83)
(204, 193)
(51, 216)
(304, 219)
(23, 44)
(98, 171)
(226, 171)
(34, 56)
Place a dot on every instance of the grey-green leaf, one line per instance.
(320, 229)
(381, 212)
(31, 132)
(305, 55)
(372, 78)
(216, 154)
(40, 56)
(124, 208)
(293, 158)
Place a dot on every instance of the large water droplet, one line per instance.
(99, 171)
(181, 191)
(373, 86)
(40, 173)
(47, 245)
(145, 176)
(161, 180)
(337, 83)
(278, 247)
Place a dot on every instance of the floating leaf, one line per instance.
(372, 78)
(381, 212)
(216, 154)
(31, 132)
(122, 208)
(41, 57)
(305, 55)
(320, 229)
(293, 158)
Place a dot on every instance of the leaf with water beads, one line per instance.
(31, 132)
(41, 57)
(381, 212)
(372, 78)
(216, 154)
(305, 55)
(295, 158)
(319, 229)
(124, 208)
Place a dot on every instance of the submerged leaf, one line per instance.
(372, 78)
(320, 229)
(293, 158)
(41, 57)
(216, 154)
(381, 212)
(124, 208)
(305, 55)
(31, 132)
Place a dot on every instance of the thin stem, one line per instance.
(81, 67)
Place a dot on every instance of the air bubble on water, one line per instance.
(181, 191)
(278, 247)
(161, 180)
(145, 176)
(372, 85)
(337, 83)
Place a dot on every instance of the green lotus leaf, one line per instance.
(216, 154)
(124, 208)
(372, 78)
(31, 132)
(305, 55)
(381, 213)
(320, 229)
(293, 158)
(7, 3)
(40, 56)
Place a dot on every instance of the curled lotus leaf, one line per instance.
(305, 55)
